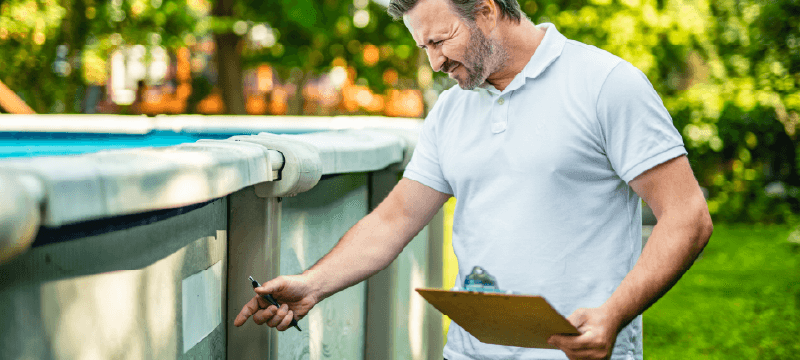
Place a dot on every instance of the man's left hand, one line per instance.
(596, 341)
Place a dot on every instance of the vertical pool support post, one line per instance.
(389, 308)
(433, 318)
(254, 245)
(381, 287)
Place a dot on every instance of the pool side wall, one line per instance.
(119, 294)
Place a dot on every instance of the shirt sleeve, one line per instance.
(424, 166)
(637, 128)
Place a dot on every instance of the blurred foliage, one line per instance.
(728, 71)
(28, 32)
(311, 34)
(52, 49)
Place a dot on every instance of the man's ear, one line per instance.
(486, 15)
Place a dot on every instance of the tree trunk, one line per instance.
(229, 65)
(76, 30)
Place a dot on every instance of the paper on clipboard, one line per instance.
(502, 319)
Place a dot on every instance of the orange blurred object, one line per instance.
(212, 104)
(350, 97)
(184, 67)
(339, 62)
(363, 96)
(175, 106)
(183, 91)
(279, 101)
(405, 103)
(371, 55)
(256, 105)
(264, 76)
(376, 104)
(355, 97)
(160, 104)
(390, 77)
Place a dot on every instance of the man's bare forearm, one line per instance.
(367, 248)
(675, 243)
(375, 241)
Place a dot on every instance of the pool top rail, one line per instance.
(60, 190)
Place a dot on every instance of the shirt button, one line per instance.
(501, 101)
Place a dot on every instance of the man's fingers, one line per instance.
(571, 342)
(578, 318)
(557, 340)
(249, 309)
(286, 321)
(562, 341)
(278, 317)
(592, 343)
(263, 315)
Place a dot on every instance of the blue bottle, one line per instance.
(480, 280)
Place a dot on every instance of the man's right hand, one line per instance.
(295, 295)
(365, 249)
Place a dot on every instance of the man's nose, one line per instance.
(436, 58)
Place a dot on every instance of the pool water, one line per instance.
(29, 144)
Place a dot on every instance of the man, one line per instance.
(548, 144)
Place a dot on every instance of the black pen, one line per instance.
(272, 301)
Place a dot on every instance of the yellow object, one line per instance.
(449, 261)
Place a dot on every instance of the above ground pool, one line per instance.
(133, 237)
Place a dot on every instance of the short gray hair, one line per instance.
(464, 8)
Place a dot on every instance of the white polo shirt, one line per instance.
(541, 172)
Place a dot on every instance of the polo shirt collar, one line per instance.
(548, 51)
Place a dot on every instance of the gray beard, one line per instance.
(483, 56)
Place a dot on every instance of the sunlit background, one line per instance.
(194, 56)
(728, 71)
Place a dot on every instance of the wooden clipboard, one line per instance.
(502, 319)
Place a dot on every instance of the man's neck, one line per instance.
(520, 42)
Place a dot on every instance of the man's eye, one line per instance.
(438, 42)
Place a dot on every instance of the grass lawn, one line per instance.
(740, 300)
